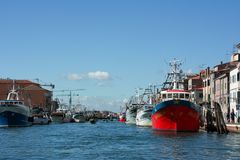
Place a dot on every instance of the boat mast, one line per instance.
(13, 95)
(175, 77)
(175, 65)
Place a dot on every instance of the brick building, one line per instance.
(31, 93)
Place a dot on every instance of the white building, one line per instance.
(235, 91)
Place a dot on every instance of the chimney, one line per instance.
(208, 71)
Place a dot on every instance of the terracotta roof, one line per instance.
(17, 81)
(196, 77)
(34, 88)
(226, 66)
(203, 71)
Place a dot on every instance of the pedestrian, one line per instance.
(228, 117)
(233, 116)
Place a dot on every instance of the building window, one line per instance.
(238, 97)
(234, 97)
(209, 97)
(238, 76)
(200, 95)
(233, 78)
(208, 82)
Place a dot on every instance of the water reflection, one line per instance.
(171, 134)
(113, 141)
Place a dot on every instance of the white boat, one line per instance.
(59, 115)
(144, 114)
(41, 120)
(79, 117)
(131, 113)
(13, 112)
(132, 107)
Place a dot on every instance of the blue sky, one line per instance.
(112, 47)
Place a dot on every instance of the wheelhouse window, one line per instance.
(181, 95)
(164, 96)
(169, 95)
(175, 95)
(187, 96)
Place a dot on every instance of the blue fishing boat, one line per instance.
(13, 112)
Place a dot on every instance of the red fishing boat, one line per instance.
(122, 118)
(175, 111)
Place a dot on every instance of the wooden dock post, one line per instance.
(209, 117)
(220, 123)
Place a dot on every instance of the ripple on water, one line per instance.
(113, 141)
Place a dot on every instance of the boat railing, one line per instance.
(10, 102)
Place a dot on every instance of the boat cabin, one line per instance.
(175, 94)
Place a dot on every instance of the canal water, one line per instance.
(113, 140)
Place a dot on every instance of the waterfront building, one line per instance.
(206, 89)
(235, 91)
(220, 80)
(205, 76)
(195, 86)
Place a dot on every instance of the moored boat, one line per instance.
(131, 113)
(175, 111)
(13, 112)
(79, 117)
(143, 117)
(59, 115)
(41, 119)
(92, 120)
(122, 117)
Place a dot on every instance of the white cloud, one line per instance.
(74, 77)
(99, 75)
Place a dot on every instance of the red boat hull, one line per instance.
(175, 116)
(122, 120)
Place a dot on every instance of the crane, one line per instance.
(44, 84)
(70, 95)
